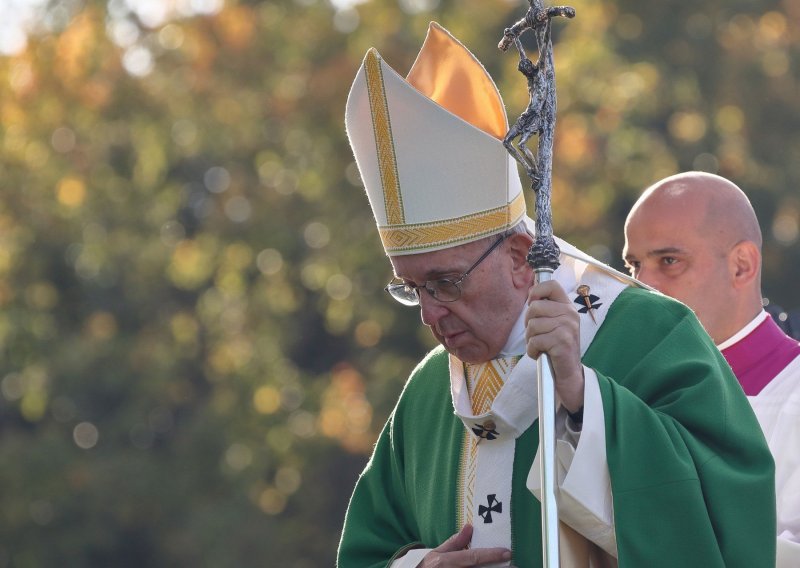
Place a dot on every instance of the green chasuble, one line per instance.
(692, 479)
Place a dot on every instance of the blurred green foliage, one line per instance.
(195, 350)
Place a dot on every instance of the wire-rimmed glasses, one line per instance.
(442, 289)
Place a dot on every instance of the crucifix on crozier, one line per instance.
(538, 119)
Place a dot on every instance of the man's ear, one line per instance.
(518, 246)
(745, 263)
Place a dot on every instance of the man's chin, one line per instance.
(468, 353)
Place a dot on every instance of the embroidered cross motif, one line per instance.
(486, 431)
(495, 506)
(587, 301)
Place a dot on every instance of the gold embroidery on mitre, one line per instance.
(382, 128)
(423, 235)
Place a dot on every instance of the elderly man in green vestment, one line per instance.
(660, 462)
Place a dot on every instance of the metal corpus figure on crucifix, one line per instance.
(539, 119)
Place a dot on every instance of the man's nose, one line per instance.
(431, 309)
(648, 276)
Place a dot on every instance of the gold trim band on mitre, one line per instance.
(420, 236)
(384, 143)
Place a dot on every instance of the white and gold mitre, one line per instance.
(430, 150)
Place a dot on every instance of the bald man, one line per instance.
(694, 236)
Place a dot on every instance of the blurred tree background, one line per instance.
(195, 350)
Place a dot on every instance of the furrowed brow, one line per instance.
(665, 250)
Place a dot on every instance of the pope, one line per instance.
(660, 461)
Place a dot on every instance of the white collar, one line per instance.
(744, 332)
(515, 344)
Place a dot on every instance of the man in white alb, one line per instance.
(694, 236)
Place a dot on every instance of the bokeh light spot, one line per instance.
(171, 36)
(316, 235)
(63, 140)
(314, 276)
(339, 287)
(772, 27)
(85, 435)
(184, 132)
(12, 386)
(172, 232)
(730, 118)
(191, 264)
(138, 61)
(346, 413)
(238, 456)
(269, 261)
(346, 20)
(266, 400)
(272, 501)
(184, 328)
(217, 179)
(368, 333)
(418, 6)
(775, 63)
(687, 126)
(238, 209)
(41, 295)
(302, 424)
(101, 326)
(71, 191)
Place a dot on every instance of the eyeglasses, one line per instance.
(442, 289)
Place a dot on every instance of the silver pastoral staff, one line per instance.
(539, 119)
